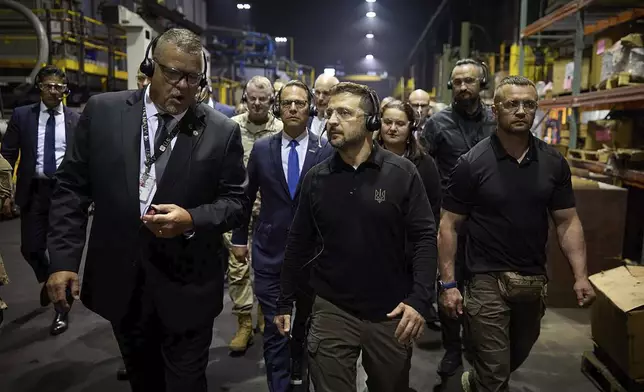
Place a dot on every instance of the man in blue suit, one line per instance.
(40, 133)
(276, 166)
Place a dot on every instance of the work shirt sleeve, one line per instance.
(563, 196)
(460, 190)
(430, 137)
(301, 240)
(421, 231)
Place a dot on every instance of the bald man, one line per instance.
(322, 87)
(419, 100)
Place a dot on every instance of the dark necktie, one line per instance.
(293, 168)
(49, 155)
(163, 130)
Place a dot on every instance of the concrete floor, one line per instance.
(85, 358)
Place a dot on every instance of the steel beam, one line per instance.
(523, 21)
(424, 33)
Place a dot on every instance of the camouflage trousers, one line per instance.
(240, 285)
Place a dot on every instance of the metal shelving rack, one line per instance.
(577, 20)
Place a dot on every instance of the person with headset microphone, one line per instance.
(276, 166)
(41, 133)
(258, 122)
(359, 210)
(449, 134)
(167, 177)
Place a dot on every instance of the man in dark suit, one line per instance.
(162, 205)
(276, 165)
(40, 133)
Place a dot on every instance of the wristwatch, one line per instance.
(446, 285)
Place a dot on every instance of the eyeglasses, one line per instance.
(287, 103)
(342, 113)
(61, 88)
(514, 105)
(174, 76)
(466, 81)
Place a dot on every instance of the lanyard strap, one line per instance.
(149, 159)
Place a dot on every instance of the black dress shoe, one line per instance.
(121, 374)
(44, 296)
(60, 324)
(296, 371)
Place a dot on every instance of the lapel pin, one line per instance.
(195, 133)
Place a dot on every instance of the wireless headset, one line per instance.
(313, 111)
(147, 65)
(373, 122)
(486, 71)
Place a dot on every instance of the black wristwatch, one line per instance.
(447, 285)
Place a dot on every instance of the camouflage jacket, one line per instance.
(249, 134)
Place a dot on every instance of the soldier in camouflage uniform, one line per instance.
(256, 123)
(6, 173)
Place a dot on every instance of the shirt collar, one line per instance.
(376, 159)
(58, 109)
(302, 138)
(151, 109)
(501, 153)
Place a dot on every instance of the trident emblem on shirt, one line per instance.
(380, 195)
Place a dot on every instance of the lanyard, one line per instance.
(149, 159)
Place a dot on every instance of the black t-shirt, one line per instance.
(508, 204)
(365, 218)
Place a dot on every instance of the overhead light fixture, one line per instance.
(369, 35)
(371, 14)
(281, 39)
(369, 57)
(243, 6)
(329, 71)
(371, 1)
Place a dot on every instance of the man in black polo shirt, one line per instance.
(449, 134)
(507, 186)
(358, 207)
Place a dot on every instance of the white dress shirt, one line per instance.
(153, 122)
(60, 138)
(317, 126)
(301, 149)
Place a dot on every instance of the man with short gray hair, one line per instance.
(167, 177)
(259, 121)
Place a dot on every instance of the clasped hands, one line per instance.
(167, 220)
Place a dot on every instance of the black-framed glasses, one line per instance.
(287, 103)
(59, 87)
(174, 76)
(513, 105)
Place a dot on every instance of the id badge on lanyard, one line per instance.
(147, 183)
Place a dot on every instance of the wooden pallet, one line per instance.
(605, 375)
(601, 156)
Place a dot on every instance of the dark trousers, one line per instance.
(34, 223)
(157, 359)
(499, 334)
(335, 341)
(276, 347)
(300, 328)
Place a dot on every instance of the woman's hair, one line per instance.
(414, 151)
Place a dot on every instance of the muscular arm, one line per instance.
(228, 210)
(447, 244)
(571, 240)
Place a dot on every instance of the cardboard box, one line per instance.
(562, 73)
(612, 133)
(617, 321)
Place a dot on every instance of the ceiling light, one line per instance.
(371, 1)
(281, 39)
(240, 6)
(371, 14)
(246, 6)
(369, 35)
(369, 57)
(243, 6)
(329, 71)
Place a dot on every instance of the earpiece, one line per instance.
(147, 65)
(244, 97)
(373, 122)
(313, 110)
(486, 71)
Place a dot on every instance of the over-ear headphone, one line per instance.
(373, 122)
(484, 67)
(147, 65)
(244, 97)
(313, 110)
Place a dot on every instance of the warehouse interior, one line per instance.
(586, 58)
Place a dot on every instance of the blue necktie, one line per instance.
(293, 168)
(49, 155)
